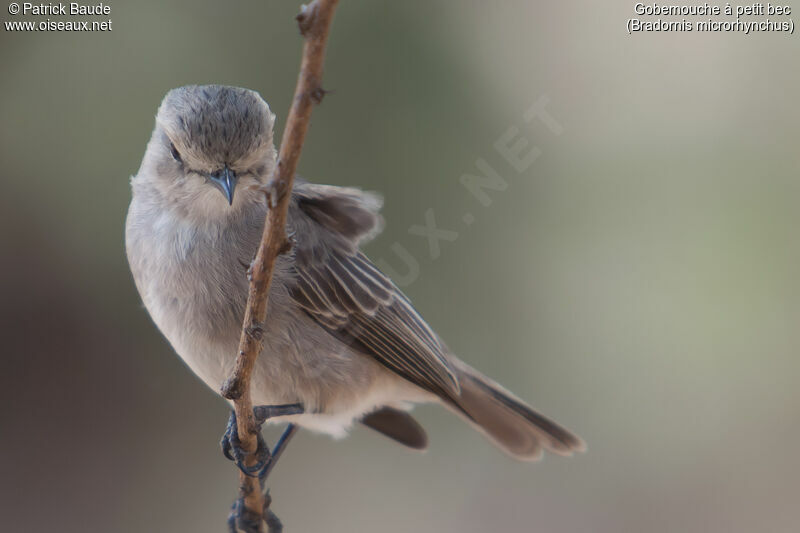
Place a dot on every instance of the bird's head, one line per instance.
(211, 145)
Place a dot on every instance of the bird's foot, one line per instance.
(274, 524)
(232, 449)
(231, 445)
(265, 412)
(241, 519)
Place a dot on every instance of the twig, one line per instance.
(314, 21)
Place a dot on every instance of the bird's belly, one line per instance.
(198, 303)
(338, 417)
(208, 360)
(335, 387)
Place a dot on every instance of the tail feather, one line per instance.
(511, 424)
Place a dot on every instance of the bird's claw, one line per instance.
(274, 524)
(231, 445)
(241, 519)
(231, 449)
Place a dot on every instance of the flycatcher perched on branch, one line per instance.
(342, 344)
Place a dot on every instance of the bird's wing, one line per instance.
(339, 287)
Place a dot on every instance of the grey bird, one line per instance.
(341, 341)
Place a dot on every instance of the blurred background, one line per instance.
(637, 281)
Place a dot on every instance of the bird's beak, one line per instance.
(225, 181)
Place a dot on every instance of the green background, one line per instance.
(637, 283)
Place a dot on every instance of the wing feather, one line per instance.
(348, 295)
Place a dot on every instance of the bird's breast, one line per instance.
(192, 281)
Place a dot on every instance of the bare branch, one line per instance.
(314, 21)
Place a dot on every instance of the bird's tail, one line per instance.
(513, 426)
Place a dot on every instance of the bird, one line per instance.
(341, 343)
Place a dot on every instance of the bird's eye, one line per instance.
(175, 153)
